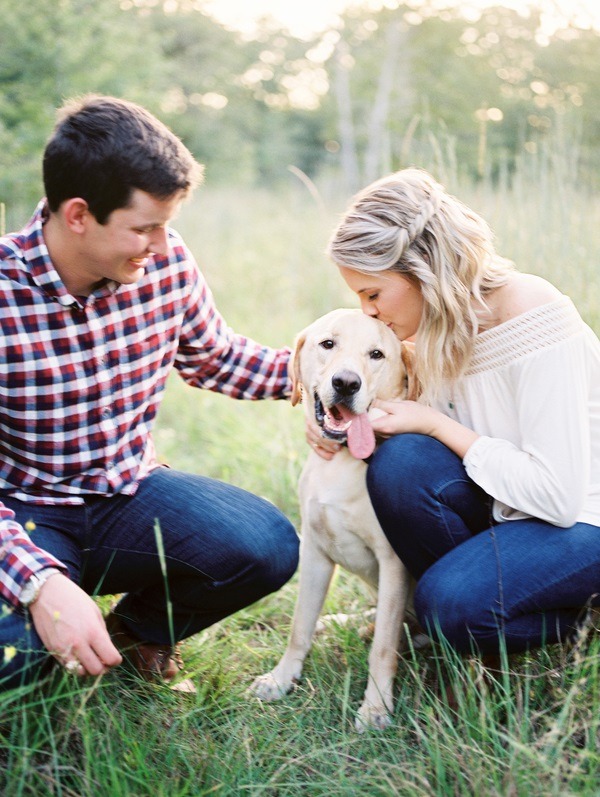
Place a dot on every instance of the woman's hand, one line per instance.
(399, 416)
(322, 446)
(403, 417)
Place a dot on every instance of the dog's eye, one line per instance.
(376, 354)
(327, 344)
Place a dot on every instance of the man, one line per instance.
(98, 301)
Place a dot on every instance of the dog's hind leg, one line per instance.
(316, 571)
(378, 702)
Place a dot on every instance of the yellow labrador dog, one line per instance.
(342, 362)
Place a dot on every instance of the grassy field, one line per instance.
(537, 732)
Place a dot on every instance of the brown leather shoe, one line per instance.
(154, 662)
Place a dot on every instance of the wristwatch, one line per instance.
(31, 589)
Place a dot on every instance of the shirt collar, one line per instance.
(41, 267)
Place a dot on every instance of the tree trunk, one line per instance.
(348, 155)
(393, 70)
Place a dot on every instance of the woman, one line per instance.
(488, 488)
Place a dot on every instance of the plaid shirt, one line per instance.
(81, 379)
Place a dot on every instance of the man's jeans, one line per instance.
(224, 548)
(524, 581)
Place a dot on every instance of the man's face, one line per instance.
(119, 249)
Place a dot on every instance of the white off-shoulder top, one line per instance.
(532, 392)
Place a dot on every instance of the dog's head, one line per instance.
(341, 363)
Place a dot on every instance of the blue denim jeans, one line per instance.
(480, 584)
(224, 548)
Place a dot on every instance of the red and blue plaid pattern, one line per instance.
(81, 379)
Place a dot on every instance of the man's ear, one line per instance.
(76, 214)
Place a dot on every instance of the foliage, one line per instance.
(52, 50)
(390, 85)
(182, 65)
(487, 88)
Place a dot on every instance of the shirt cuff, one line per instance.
(19, 560)
(476, 451)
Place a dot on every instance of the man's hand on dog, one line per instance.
(322, 446)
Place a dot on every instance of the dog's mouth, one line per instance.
(341, 424)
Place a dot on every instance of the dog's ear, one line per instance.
(408, 360)
(296, 396)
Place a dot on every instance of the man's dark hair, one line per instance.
(103, 148)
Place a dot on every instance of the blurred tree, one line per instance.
(52, 50)
(372, 79)
(382, 89)
(238, 102)
(470, 95)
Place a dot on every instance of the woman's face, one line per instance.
(389, 296)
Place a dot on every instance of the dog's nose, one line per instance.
(346, 383)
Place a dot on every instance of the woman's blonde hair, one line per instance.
(408, 223)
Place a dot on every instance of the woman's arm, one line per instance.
(409, 416)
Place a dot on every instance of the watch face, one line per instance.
(29, 591)
(34, 583)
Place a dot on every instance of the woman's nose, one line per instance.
(369, 309)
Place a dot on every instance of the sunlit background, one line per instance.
(309, 16)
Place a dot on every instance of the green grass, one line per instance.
(537, 732)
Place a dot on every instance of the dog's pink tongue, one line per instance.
(361, 438)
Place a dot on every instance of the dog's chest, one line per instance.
(337, 511)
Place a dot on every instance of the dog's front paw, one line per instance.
(371, 717)
(267, 687)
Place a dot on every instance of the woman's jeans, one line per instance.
(223, 548)
(481, 585)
